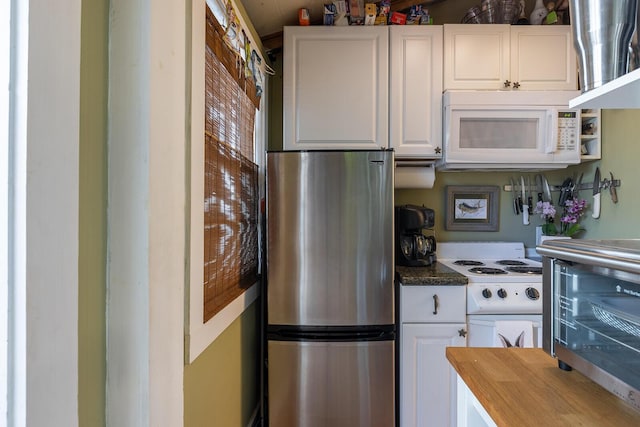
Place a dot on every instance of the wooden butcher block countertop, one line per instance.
(524, 387)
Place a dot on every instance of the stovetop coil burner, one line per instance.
(510, 262)
(468, 262)
(527, 270)
(487, 270)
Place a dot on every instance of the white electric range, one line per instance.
(504, 292)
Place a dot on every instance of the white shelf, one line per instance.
(623, 92)
(590, 141)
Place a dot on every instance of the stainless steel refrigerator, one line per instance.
(330, 292)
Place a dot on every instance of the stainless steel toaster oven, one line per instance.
(592, 310)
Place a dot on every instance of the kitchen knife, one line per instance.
(514, 194)
(612, 190)
(519, 195)
(529, 196)
(525, 206)
(576, 192)
(565, 191)
(596, 194)
(539, 187)
(547, 189)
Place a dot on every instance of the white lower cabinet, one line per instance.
(427, 380)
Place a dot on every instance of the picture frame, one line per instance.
(472, 208)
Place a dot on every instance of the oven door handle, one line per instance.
(436, 303)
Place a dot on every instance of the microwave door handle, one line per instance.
(551, 144)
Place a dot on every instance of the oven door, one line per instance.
(483, 329)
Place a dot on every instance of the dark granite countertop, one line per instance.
(435, 274)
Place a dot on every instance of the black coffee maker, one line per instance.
(413, 248)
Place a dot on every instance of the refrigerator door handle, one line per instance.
(370, 333)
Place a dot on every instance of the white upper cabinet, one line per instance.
(543, 57)
(416, 91)
(476, 56)
(335, 88)
(507, 57)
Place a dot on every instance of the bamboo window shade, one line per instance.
(230, 181)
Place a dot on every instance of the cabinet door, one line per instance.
(427, 380)
(476, 56)
(335, 88)
(416, 91)
(543, 58)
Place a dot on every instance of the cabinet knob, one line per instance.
(516, 85)
(507, 83)
(462, 333)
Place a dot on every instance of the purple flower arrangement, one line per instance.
(569, 221)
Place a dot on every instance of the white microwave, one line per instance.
(510, 130)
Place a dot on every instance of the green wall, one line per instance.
(620, 154)
(221, 385)
(92, 214)
(510, 225)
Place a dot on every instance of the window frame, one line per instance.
(200, 335)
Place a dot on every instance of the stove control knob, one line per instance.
(486, 293)
(532, 293)
(502, 293)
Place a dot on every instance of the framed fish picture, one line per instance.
(472, 208)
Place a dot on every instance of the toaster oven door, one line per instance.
(596, 325)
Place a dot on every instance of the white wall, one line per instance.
(43, 213)
(146, 213)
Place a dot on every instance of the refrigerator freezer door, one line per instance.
(330, 238)
(331, 383)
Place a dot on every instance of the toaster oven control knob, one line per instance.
(486, 293)
(502, 293)
(532, 293)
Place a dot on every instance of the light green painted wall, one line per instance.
(92, 215)
(221, 385)
(510, 225)
(620, 154)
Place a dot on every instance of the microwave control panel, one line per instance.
(568, 130)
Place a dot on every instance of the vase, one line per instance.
(538, 13)
(541, 238)
(602, 31)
